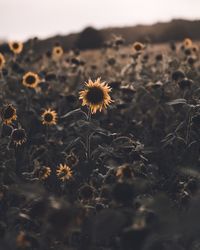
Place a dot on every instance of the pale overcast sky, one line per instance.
(21, 19)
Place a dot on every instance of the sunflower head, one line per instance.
(16, 47)
(96, 95)
(2, 61)
(124, 171)
(72, 159)
(138, 46)
(57, 52)
(195, 48)
(43, 172)
(187, 42)
(49, 117)
(22, 240)
(8, 114)
(64, 172)
(31, 80)
(18, 136)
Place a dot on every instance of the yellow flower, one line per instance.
(30, 80)
(96, 95)
(44, 173)
(138, 46)
(57, 52)
(124, 171)
(18, 136)
(2, 61)
(64, 172)
(8, 114)
(49, 117)
(16, 47)
(187, 42)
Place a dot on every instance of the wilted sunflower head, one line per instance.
(187, 42)
(64, 172)
(195, 48)
(138, 46)
(57, 52)
(31, 80)
(18, 136)
(2, 61)
(16, 47)
(49, 117)
(8, 114)
(22, 240)
(44, 173)
(72, 159)
(96, 95)
(124, 171)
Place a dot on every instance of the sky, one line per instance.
(22, 19)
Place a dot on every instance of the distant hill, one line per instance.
(161, 32)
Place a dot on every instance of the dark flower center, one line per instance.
(48, 117)
(138, 47)
(15, 45)
(30, 80)
(9, 112)
(95, 95)
(18, 135)
(1, 61)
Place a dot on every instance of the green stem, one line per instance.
(188, 127)
(47, 134)
(88, 136)
(28, 100)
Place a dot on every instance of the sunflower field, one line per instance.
(100, 149)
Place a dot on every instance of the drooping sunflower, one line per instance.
(64, 172)
(49, 117)
(72, 159)
(22, 240)
(18, 136)
(57, 52)
(31, 80)
(96, 95)
(44, 173)
(16, 47)
(2, 61)
(124, 171)
(8, 114)
(195, 48)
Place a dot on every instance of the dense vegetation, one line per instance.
(121, 179)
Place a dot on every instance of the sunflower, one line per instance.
(16, 47)
(49, 117)
(22, 240)
(31, 80)
(44, 173)
(195, 48)
(8, 114)
(18, 136)
(138, 46)
(64, 172)
(57, 52)
(2, 61)
(96, 95)
(124, 171)
(187, 42)
(72, 159)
